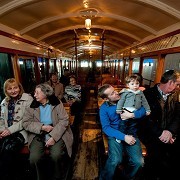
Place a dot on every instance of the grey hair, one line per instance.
(46, 89)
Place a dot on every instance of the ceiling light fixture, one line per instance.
(88, 23)
(86, 3)
(88, 14)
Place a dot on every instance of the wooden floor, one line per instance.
(86, 163)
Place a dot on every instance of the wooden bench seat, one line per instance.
(25, 150)
(105, 142)
(68, 110)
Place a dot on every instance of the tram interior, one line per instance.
(90, 147)
(38, 38)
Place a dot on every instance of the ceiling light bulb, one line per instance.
(87, 23)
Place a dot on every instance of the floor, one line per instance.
(87, 160)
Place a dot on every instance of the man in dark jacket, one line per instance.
(161, 128)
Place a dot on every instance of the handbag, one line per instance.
(12, 143)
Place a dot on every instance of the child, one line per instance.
(131, 99)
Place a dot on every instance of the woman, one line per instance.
(12, 111)
(56, 85)
(73, 96)
(47, 124)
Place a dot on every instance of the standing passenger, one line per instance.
(47, 123)
(12, 112)
(128, 142)
(162, 127)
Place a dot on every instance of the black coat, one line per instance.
(53, 100)
(164, 115)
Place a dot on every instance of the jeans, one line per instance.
(115, 156)
(128, 127)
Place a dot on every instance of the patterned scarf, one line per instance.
(11, 107)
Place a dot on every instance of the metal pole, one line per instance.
(102, 52)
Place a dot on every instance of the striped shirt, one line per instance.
(73, 92)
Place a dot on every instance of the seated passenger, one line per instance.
(119, 142)
(161, 130)
(72, 95)
(47, 123)
(11, 130)
(56, 85)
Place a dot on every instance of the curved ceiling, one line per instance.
(119, 23)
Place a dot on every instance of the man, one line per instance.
(160, 130)
(119, 142)
(56, 85)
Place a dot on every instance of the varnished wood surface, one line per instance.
(86, 163)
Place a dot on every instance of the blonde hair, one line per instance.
(10, 81)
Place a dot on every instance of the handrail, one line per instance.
(150, 81)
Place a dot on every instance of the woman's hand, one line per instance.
(47, 128)
(5, 133)
(50, 142)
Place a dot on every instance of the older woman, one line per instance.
(47, 124)
(12, 112)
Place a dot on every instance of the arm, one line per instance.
(31, 122)
(17, 125)
(107, 128)
(78, 95)
(169, 134)
(138, 114)
(153, 121)
(66, 94)
(60, 122)
(2, 116)
(61, 91)
(174, 126)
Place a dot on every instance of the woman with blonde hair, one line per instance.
(12, 135)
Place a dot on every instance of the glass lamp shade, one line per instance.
(88, 23)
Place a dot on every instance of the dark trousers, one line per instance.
(37, 152)
(10, 164)
(76, 108)
(161, 161)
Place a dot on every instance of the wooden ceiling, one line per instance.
(121, 23)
